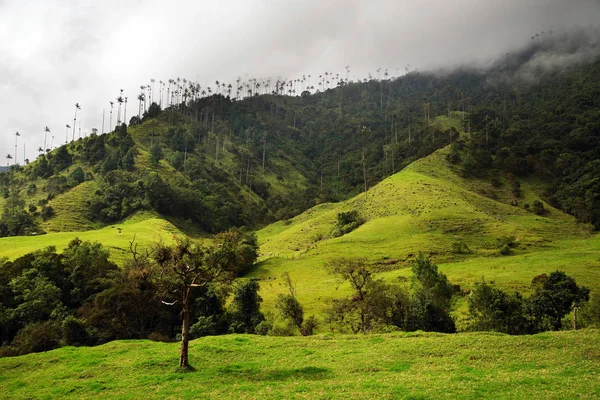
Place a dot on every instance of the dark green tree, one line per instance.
(245, 314)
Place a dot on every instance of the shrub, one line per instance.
(206, 326)
(346, 222)
(516, 189)
(36, 337)
(47, 212)
(460, 247)
(76, 177)
(504, 244)
(74, 332)
(538, 207)
(245, 312)
(491, 309)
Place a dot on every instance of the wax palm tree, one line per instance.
(46, 132)
(8, 158)
(140, 99)
(67, 133)
(125, 112)
(160, 85)
(77, 107)
(151, 89)
(16, 140)
(120, 101)
(110, 119)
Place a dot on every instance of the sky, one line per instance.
(54, 54)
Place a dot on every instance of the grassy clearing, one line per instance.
(70, 210)
(147, 229)
(560, 365)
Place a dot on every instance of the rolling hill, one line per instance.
(429, 207)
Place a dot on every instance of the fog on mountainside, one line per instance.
(52, 59)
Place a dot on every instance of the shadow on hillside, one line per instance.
(188, 228)
(279, 374)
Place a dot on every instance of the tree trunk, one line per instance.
(185, 331)
(264, 152)
(365, 172)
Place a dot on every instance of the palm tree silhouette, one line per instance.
(8, 157)
(16, 140)
(67, 134)
(46, 132)
(120, 101)
(140, 99)
(151, 89)
(77, 107)
(110, 119)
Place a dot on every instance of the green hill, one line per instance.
(429, 207)
(405, 366)
(145, 228)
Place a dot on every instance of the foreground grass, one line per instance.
(560, 365)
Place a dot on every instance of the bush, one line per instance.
(76, 177)
(504, 244)
(245, 312)
(74, 332)
(504, 250)
(460, 247)
(538, 207)
(516, 189)
(491, 309)
(310, 324)
(156, 154)
(346, 223)
(37, 337)
(206, 326)
(47, 212)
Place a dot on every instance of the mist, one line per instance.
(56, 53)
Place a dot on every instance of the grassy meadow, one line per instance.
(145, 227)
(558, 365)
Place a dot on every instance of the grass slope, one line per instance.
(561, 365)
(146, 227)
(426, 207)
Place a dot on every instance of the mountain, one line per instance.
(218, 162)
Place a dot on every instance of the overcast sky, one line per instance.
(56, 53)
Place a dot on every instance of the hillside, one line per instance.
(408, 366)
(429, 207)
(217, 161)
(145, 228)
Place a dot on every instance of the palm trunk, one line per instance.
(264, 151)
(365, 172)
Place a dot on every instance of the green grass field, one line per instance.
(147, 229)
(558, 365)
